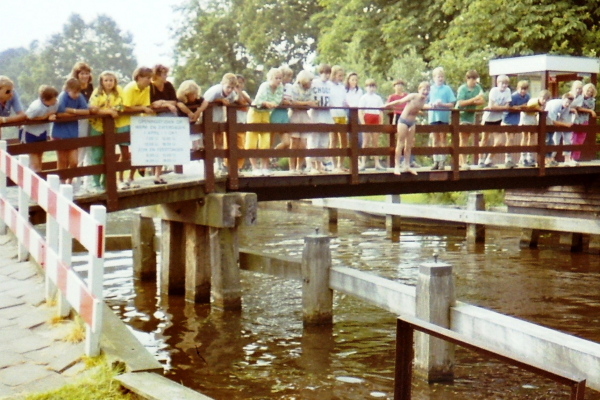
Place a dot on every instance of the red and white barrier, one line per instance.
(64, 221)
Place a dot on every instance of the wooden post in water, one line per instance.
(197, 263)
(331, 215)
(594, 244)
(393, 222)
(529, 238)
(144, 253)
(434, 358)
(571, 241)
(317, 297)
(172, 258)
(224, 256)
(476, 232)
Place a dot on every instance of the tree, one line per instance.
(100, 43)
(521, 27)
(242, 36)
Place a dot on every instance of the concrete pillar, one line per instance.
(434, 358)
(224, 256)
(197, 263)
(317, 297)
(476, 232)
(571, 241)
(172, 258)
(529, 238)
(594, 244)
(143, 235)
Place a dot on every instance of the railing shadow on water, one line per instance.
(232, 128)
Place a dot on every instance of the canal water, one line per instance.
(263, 352)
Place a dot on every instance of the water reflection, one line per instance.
(264, 352)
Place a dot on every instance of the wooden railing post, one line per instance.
(354, 132)
(232, 145)
(209, 147)
(541, 153)
(434, 359)
(110, 160)
(404, 361)
(455, 132)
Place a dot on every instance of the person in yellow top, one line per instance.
(136, 98)
(108, 98)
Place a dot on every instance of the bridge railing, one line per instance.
(65, 221)
(209, 152)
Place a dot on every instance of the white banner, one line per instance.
(160, 141)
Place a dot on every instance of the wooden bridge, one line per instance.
(283, 185)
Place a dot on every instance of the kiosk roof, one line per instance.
(544, 62)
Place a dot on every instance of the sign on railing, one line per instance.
(65, 220)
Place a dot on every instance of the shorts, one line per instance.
(279, 116)
(300, 117)
(31, 138)
(262, 140)
(126, 128)
(371, 119)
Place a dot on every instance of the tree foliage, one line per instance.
(100, 43)
(456, 34)
(242, 36)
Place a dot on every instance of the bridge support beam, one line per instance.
(317, 297)
(476, 232)
(393, 222)
(200, 249)
(434, 358)
(144, 252)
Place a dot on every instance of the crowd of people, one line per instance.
(322, 98)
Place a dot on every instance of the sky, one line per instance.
(148, 21)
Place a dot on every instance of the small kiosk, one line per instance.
(545, 71)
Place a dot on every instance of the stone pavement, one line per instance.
(33, 355)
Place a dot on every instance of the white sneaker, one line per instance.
(266, 172)
(257, 172)
(572, 163)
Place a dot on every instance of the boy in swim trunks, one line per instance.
(406, 126)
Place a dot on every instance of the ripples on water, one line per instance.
(264, 353)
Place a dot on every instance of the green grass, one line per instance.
(492, 198)
(96, 382)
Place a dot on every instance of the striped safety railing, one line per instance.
(65, 221)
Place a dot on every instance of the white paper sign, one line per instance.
(160, 141)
